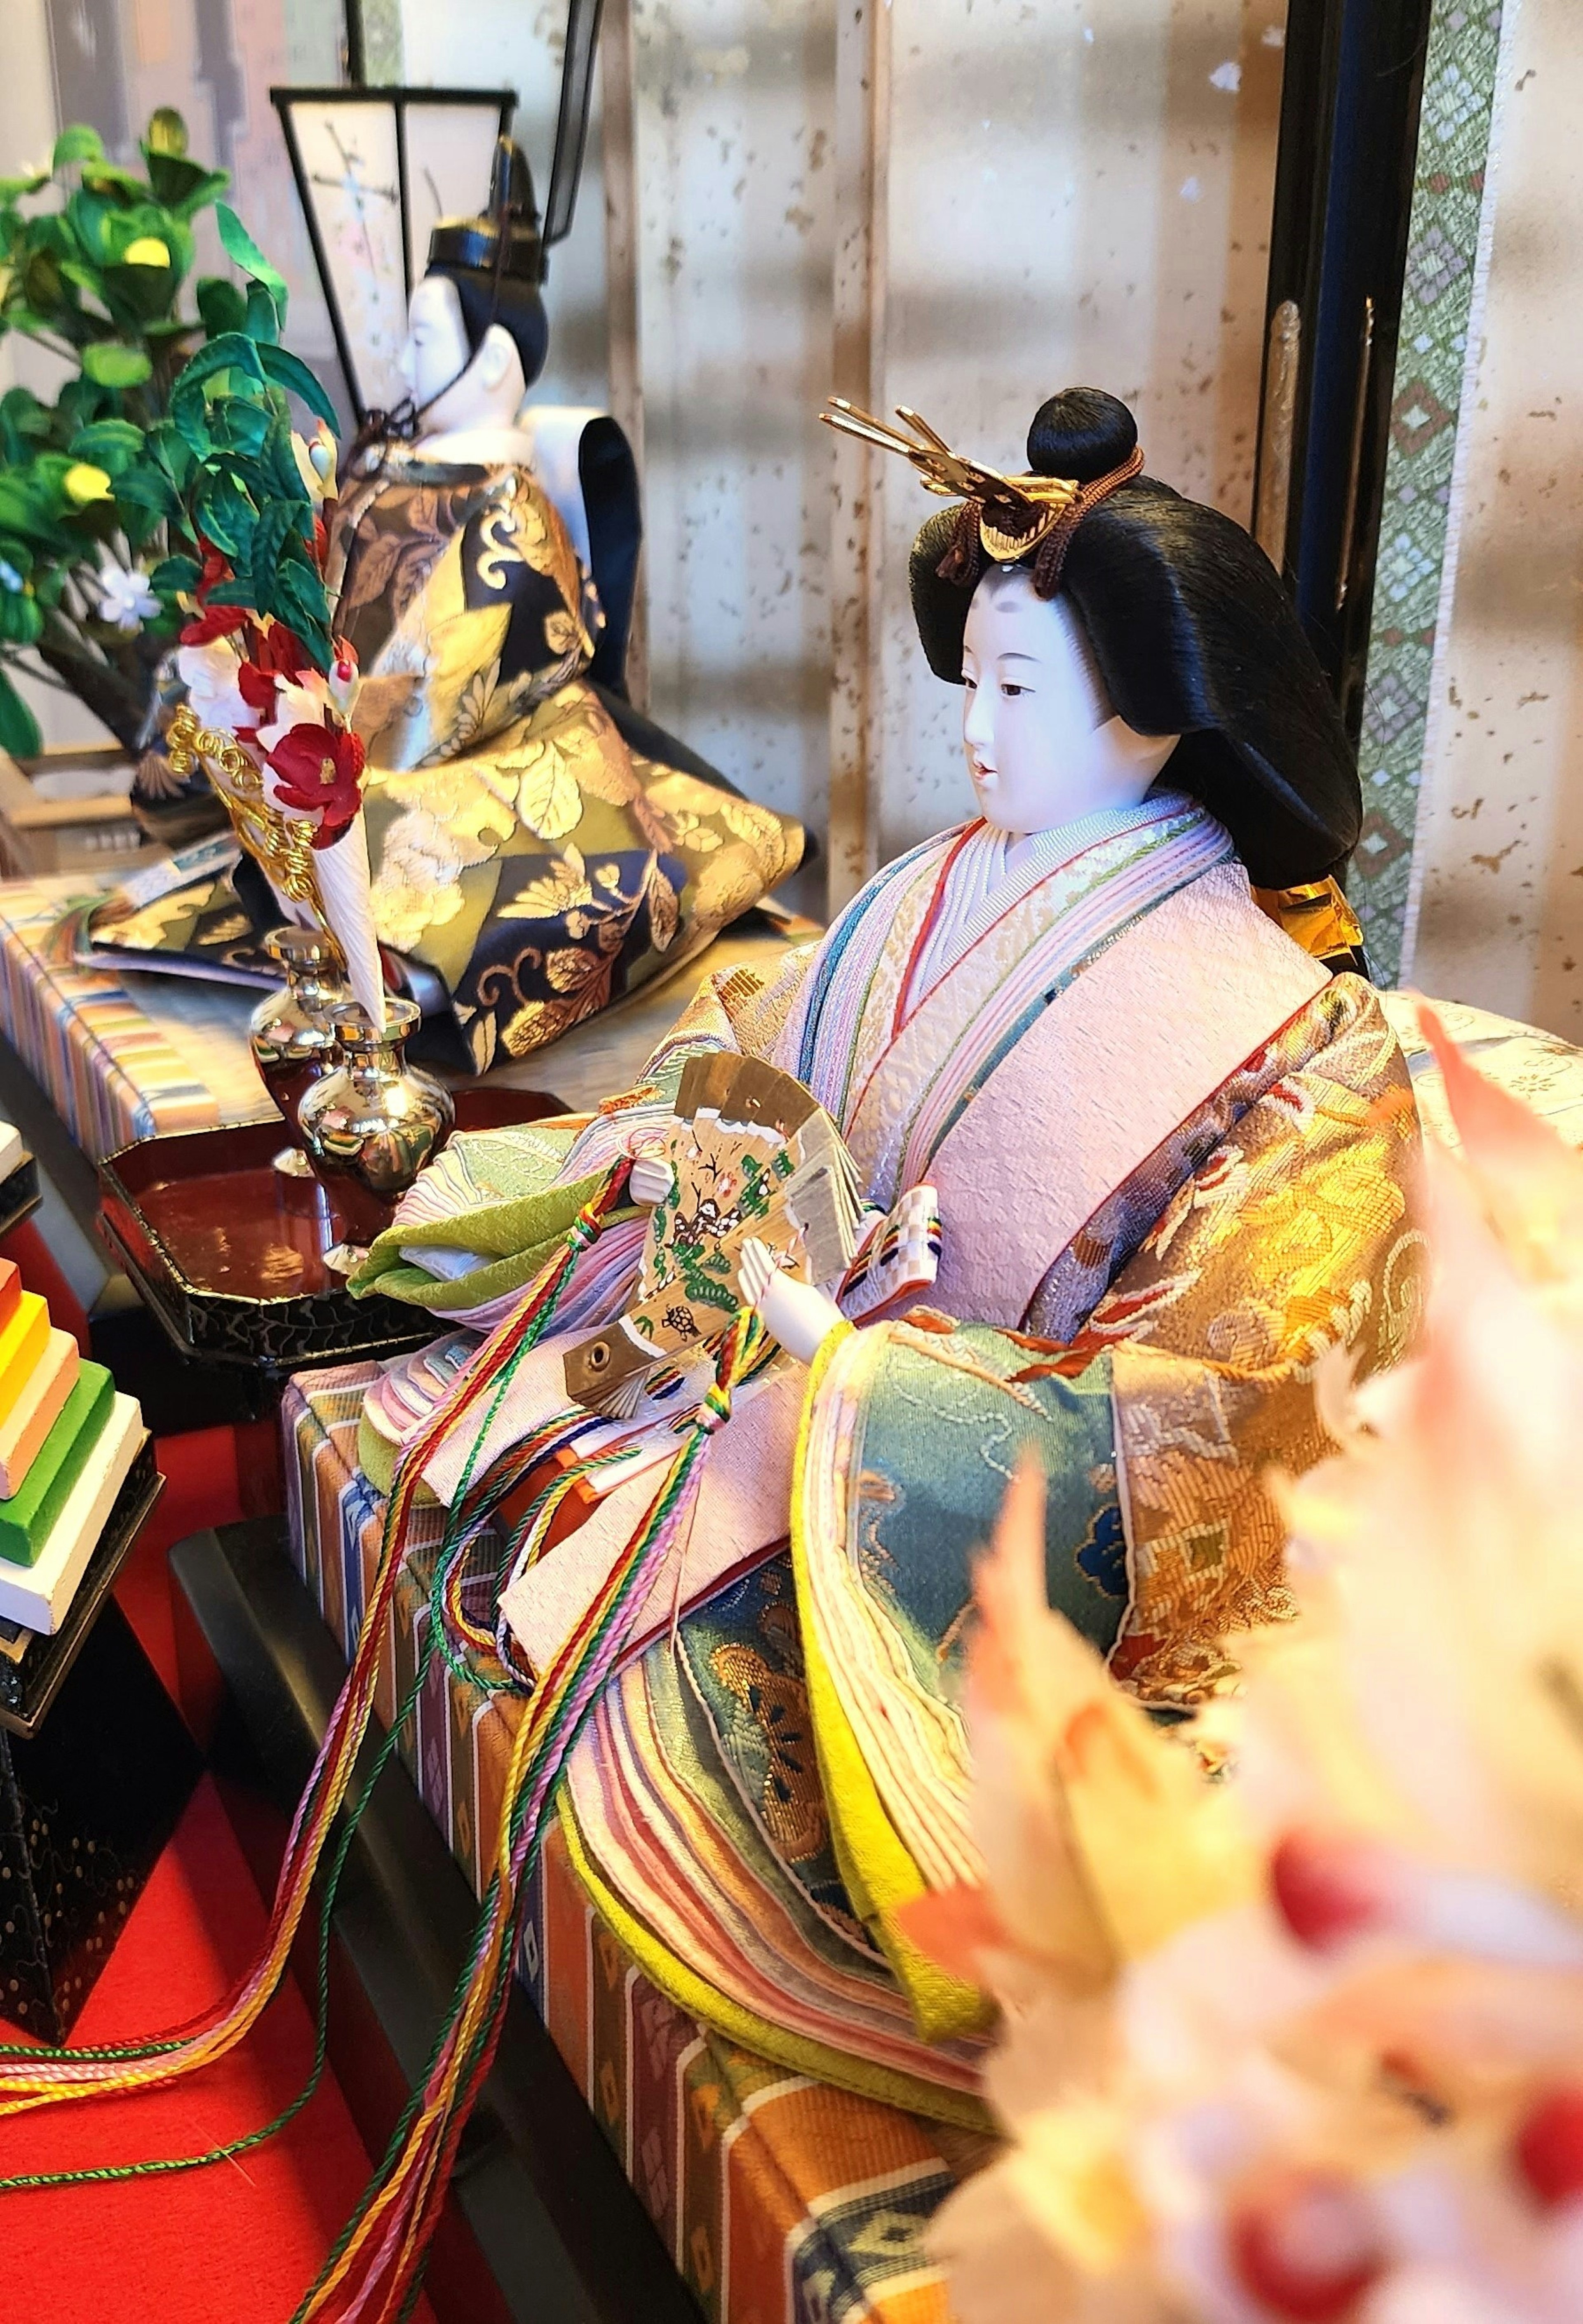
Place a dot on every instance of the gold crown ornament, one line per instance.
(1004, 519)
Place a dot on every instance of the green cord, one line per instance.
(112, 2174)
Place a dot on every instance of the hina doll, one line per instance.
(539, 847)
(1128, 1163)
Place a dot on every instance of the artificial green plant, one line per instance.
(169, 439)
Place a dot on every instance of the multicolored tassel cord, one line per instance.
(32, 2077)
(374, 2274)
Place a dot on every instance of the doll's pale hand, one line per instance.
(800, 1315)
(651, 1180)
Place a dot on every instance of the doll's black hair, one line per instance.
(516, 305)
(496, 262)
(1194, 635)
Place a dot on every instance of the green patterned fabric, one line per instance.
(1432, 367)
(502, 1204)
(941, 1436)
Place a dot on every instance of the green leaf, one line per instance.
(112, 444)
(111, 363)
(19, 729)
(139, 524)
(117, 184)
(239, 427)
(263, 324)
(148, 487)
(176, 576)
(22, 617)
(42, 283)
(137, 296)
(290, 371)
(225, 515)
(80, 401)
(77, 144)
(82, 277)
(12, 190)
(298, 600)
(232, 350)
(280, 522)
(28, 503)
(169, 448)
(166, 133)
(183, 186)
(238, 592)
(221, 305)
(243, 251)
(281, 476)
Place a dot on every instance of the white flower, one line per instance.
(209, 672)
(298, 702)
(127, 601)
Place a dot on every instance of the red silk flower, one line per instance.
(275, 650)
(212, 621)
(320, 771)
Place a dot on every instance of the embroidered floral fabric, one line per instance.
(521, 847)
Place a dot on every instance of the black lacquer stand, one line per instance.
(96, 1766)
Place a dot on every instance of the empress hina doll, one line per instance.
(539, 847)
(1131, 1162)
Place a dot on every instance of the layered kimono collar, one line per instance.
(984, 883)
(936, 964)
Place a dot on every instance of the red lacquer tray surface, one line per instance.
(230, 1254)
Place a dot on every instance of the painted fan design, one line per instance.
(752, 1156)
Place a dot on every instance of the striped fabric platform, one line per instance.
(781, 2201)
(119, 1058)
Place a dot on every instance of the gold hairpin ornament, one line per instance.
(1004, 519)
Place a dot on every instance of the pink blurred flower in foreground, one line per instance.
(1308, 2044)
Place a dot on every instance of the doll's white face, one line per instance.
(452, 386)
(1042, 744)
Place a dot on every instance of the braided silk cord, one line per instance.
(378, 2264)
(30, 2076)
(374, 2273)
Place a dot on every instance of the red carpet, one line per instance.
(238, 2243)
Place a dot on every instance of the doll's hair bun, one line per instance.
(1192, 634)
(1083, 433)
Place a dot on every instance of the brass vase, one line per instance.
(294, 1042)
(371, 1124)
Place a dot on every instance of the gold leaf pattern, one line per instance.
(557, 891)
(690, 832)
(538, 1022)
(665, 911)
(569, 968)
(547, 798)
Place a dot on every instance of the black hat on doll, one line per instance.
(1191, 629)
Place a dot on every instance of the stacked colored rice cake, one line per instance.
(67, 1441)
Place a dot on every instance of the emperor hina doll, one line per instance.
(1080, 1152)
(540, 848)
